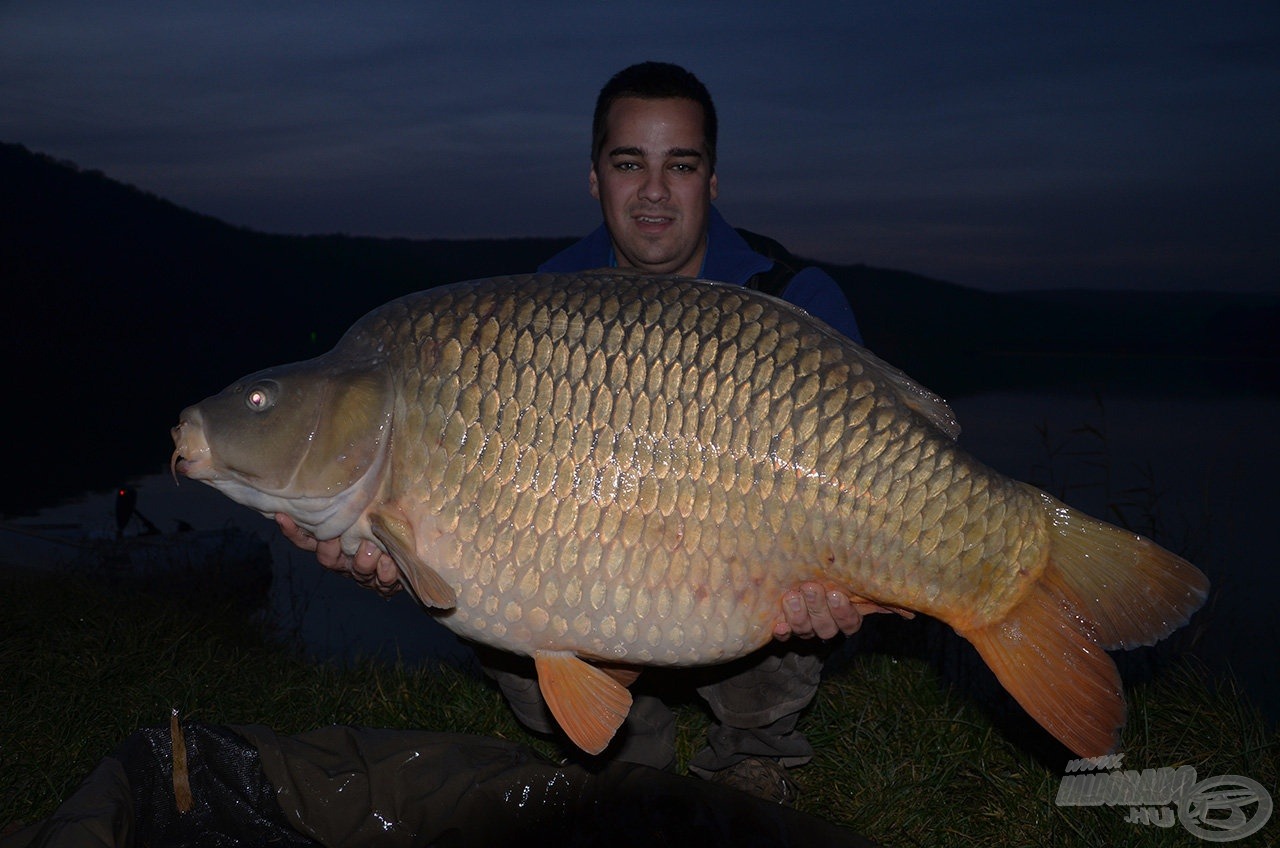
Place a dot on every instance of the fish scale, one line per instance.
(623, 342)
(669, 347)
(631, 470)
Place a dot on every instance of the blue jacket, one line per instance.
(729, 259)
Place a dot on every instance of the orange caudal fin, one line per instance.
(1102, 588)
(1064, 680)
(587, 702)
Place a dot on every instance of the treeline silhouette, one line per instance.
(120, 308)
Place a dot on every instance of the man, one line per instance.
(653, 163)
(653, 171)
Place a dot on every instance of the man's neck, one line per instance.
(691, 268)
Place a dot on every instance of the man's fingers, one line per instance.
(817, 603)
(373, 568)
(813, 610)
(797, 614)
(370, 567)
(847, 617)
(794, 620)
(329, 553)
(365, 562)
(388, 574)
(291, 531)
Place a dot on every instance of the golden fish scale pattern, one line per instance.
(636, 468)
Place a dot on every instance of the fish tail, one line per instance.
(1102, 588)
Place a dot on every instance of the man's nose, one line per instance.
(654, 188)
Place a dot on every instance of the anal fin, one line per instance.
(587, 702)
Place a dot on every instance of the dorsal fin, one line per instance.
(917, 397)
(920, 399)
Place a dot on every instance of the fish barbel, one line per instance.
(605, 471)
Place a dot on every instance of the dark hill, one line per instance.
(962, 341)
(121, 308)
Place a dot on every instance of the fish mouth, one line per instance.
(190, 450)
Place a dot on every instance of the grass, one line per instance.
(921, 766)
(900, 757)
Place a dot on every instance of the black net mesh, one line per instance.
(387, 789)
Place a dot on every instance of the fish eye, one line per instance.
(261, 396)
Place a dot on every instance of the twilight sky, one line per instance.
(1003, 145)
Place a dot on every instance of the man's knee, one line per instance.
(764, 690)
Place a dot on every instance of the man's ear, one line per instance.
(714, 186)
(593, 182)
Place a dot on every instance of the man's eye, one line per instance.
(627, 166)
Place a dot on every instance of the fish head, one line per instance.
(308, 439)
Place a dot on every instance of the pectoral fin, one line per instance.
(587, 702)
(397, 537)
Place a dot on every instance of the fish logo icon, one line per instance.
(1225, 808)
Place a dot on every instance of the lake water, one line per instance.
(1198, 474)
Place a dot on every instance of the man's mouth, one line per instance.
(653, 222)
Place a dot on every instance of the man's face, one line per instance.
(655, 186)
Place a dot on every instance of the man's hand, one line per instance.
(370, 567)
(812, 610)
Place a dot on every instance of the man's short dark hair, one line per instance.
(655, 81)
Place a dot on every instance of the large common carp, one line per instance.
(605, 471)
